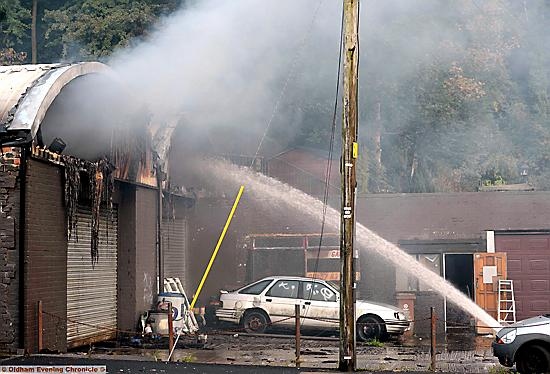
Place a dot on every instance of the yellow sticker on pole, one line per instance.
(355, 149)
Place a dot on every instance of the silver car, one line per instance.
(525, 343)
(272, 300)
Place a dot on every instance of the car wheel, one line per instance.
(370, 327)
(533, 359)
(255, 322)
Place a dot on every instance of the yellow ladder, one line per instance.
(506, 302)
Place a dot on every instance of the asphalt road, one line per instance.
(134, 366)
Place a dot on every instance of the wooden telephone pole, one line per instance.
(347, 360)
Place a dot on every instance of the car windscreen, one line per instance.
(256, 288)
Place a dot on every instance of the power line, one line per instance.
(331, 145)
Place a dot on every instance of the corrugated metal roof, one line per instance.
(14, 83)
(27, 91)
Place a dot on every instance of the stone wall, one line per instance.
(9, 251)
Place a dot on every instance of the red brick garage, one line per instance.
(528, 257)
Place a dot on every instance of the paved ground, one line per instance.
(240, 353)
(472, 356)
(126, 366)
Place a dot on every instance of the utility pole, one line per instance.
(347, 360)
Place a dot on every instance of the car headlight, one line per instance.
(508, 337)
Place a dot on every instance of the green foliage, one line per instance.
(375, 343)
(188, 358)
(497, 369)
(465, 107)
(14, 19)
(76, 30)
(93, 29)
(14, 23)
(495, 181)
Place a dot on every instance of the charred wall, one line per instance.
(146, 268)
(137, 279)
(45, 256)
(9, 249)
(126, 275)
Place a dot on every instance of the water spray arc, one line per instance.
(284, 197)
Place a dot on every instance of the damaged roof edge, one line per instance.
(32, 108)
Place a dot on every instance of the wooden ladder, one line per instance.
(506, 302)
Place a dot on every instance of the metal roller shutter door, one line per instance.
(174, 235)
(92, 291)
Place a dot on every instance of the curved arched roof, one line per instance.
(27, 91)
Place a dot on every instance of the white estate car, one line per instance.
(272, 300)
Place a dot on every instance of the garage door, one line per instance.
(92, 291)
(529, 267)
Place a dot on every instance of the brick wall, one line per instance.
(9, 251)
(45, 256)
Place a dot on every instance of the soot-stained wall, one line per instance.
(146, 260)
(137, 207)
(126, 275)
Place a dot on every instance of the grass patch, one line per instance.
(157, 355)
(187, 358)
(374, 343)
(498, 369)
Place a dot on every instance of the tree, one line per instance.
(13, 27)
(93, 29)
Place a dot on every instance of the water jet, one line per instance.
(283, 196)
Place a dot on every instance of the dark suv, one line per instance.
(525, 343)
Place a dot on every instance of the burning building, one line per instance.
(80, 224)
